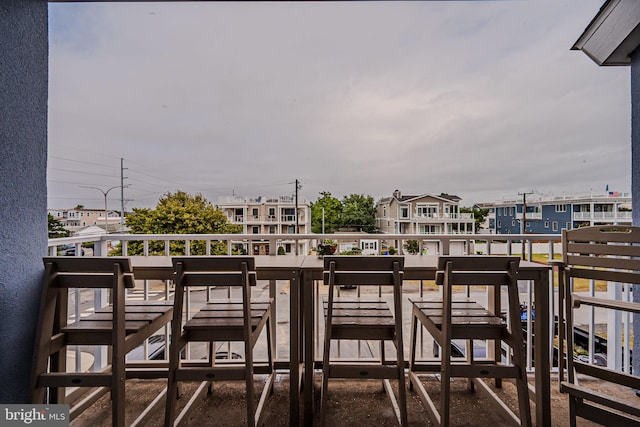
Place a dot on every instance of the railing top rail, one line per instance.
(308, 236)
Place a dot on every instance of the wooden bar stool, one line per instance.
(123, 325)
(363, 319)
(603, 253)
(448, 320)
(224, 320)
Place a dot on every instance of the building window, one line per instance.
(384, 211)
(288, 214)
(554, 226)
(499, 223)
(568, 226)
(546, 224)
(561, 208)
(255, 229)
(404, 212)
(254, 212)
(428, 210)
(272, 229)
(291, 229)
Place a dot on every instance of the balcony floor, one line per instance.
(351, 403)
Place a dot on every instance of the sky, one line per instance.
(481, 99)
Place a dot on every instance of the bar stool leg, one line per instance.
(402, 391)
(248, 372)
(445, 384)
(325, 361)
(413, 343)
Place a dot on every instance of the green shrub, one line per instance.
(411, 246)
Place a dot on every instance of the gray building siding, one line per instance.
(23, 193)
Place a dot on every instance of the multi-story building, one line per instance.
(488, 225)
(269, 215)
(551, 214)
(423, 214)
(78, 219)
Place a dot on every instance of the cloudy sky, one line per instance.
(480, 99)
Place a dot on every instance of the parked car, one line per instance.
(69, 250)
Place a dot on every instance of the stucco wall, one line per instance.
(23, 192)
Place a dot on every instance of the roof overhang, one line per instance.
(613, 34)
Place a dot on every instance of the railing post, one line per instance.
(445, 246)
(273, 249)
(100, 248)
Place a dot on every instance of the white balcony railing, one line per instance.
(442, 216)
(543, 246)
(530, 215)
(602, 216)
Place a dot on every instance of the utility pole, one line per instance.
(523, 226)
(122, 178)
(298, 187)
(297, 226)
(105, 202)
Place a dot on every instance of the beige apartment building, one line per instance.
(269, 215)
(78, 219)
(422, 214)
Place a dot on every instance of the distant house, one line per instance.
(77, 219)
(423, 214)
(268, 215)
(488, 226)
(549, 215)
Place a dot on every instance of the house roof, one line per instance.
(613, 34)
(403, 198)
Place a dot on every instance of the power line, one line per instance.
(69, 182)
(84, 173)
(83, 162)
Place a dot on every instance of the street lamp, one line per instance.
(105, 201)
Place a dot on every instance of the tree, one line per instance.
(479, 216)
(411, 246)
(332, 213)
(359, 212)
(56, 229)
(180, 213)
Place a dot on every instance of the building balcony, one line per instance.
(350, 402)
(530, 216)
(624, 216)
(440, 217)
